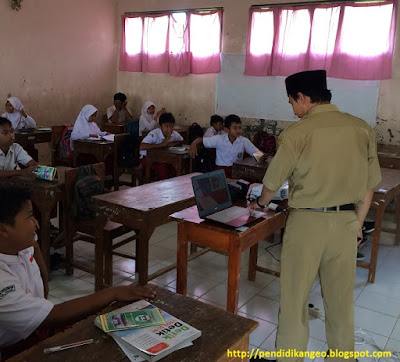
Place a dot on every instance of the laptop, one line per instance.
(214, 202)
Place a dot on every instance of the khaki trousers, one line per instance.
(321, 243)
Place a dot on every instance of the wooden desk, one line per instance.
(250, 170)
(226, 239)
(178, 159)
(115, 128)
(387, 191)
(389, 156)
(143, 208)
(45, 195)
(27, 140)
(220, 331)
(99, 149)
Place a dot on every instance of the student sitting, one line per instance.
(162, 137)
(85, 126)
(217, 126)
(26, 316)
(230, 146)
(119, 113)
(149, 117)
(17, 115)
(12, 154)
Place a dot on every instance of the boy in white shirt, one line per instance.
(12, 154)
(26, 316)
(230, 146)
(161, 137)
(119, 113)
(217, 126)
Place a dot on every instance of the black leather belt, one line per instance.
(345, 207)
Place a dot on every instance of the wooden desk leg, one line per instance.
(375, 242)
(45, 234)
(142, 254)
(99, 260)
(233, 276)
(148, 170)
(182, 254)
(397, 217)
(251, 275)
(179, 167)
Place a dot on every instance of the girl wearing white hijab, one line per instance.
(85, 125)
(148, 121)
(16, 114)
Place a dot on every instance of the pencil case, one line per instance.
(46, 173)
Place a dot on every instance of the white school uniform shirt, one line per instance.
(15, 155)
(23, 307)
(228, 153)
(121, 115)
(83, 128)
(146, 121)
(156, 137)
(16, 119)
(212, 132)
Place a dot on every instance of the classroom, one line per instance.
(58, 57)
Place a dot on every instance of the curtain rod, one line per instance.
(172, 11)
(316, 3)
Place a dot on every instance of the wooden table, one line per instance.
(115, 128)
(99, 149)
(389, 156)
(220, 331)
(178, 159)
(28, 139)
(387, 191)
(250, 170)
(143, 208)
(45, 195)
(225, 239)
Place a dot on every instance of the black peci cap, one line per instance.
(306, 81)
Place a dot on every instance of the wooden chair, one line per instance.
(136, 172)
(56, 159)
(88, 231)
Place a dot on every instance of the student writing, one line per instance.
(230, 146)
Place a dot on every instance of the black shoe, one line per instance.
(368, 227)
(253, 359)
(360, 256)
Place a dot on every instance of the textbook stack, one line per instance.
(154, 342)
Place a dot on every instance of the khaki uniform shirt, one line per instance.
(329, 158)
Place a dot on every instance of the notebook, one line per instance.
(214, 202)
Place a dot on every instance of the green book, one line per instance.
(127, 320)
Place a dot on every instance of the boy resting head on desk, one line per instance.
(230, 146)
(161, 137)
(12, 154)
(26, 316)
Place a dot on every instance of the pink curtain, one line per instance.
(175, 43)
(350, 41)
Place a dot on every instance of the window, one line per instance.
(349, 40)
(177, 43)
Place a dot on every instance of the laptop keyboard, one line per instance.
(229, 214)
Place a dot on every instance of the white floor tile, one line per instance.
(166, 278)
(317, 329)
(73, 289)
(396, 331)
(262, 332)
(393, 346)
(263, 308)
(197, 285)
(272, 290)
(126, 265)
(379, 303)
(374, 321)
(54, 300)
(269, 343)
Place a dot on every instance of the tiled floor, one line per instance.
(377, 306)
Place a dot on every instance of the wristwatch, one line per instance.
(259, 205)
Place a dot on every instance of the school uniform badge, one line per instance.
(7, 290)
(240, 155)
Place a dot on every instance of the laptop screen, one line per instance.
(211, 192)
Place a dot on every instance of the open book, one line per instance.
(108, 137)
(156, 342)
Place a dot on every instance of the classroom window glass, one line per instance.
(178, 43)
(350, 40)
